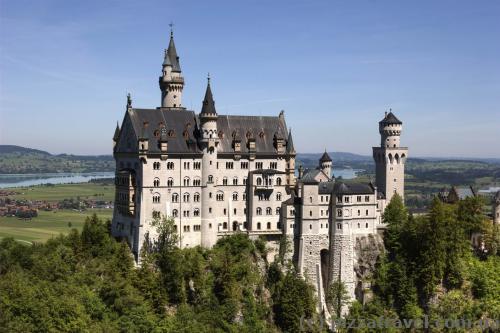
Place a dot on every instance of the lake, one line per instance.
(18, 180)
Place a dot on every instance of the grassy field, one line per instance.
(47, 224)
(66, 191)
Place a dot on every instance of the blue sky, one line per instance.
(333, 66)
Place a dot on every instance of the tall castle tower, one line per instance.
(171, 80)
(325, 163)
(390, 158)
(209, 142)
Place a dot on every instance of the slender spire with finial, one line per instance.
(208, 103)
(171, 29)
(129, 100)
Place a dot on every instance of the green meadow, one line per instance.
(52, 223)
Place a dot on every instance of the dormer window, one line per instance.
(261, 135)
(221, 135)
(171, 134)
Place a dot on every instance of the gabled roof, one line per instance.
(353, 188)
(390, 118)
(325, 157)
(463, 192)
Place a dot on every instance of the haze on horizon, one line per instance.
(334, 67)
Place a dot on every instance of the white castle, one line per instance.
(217, 175)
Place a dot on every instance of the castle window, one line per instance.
(268, 211)
(229, 165)
(196, 165)
(186, 181)
(359, 225)
(235, 196)
(234, 211)
(259, 181)
(156, 134)
(273, 165)
(196, 197)
(156, 166)
(225, 211)
(339, 212)
(367, 225)
(322, 212)
(224, 225)
(367, 212)
(186, 165)
(210, 210)
(197, 182)
(156, 182)
(268, 225)
(175, 213)
(220, 196)
(186, 213)
(224, 181)
(261, 135)
(339, 199)
(358, 198)
(310, 226)
(244, 196)
(259, 211)
(258, 165)
(258, 226)
(278, 181)
(278, 196)
(156, 214)
(196, 227)
(156, 198)
(321, 198)
(170, 165)
(278, 210)
(235, 181)
(339, 226)
(244, 165)
(367, 198)
(359, 212)
(221, 134)
(196, 212)
(310, 199)
(175, 197)
(170, 182)
(210, 179)
(310, 213)
(171, 133)
(186, 197)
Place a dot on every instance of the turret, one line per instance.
(390, 130)
(208, 117)
(325, 164)
(390, 158)
(171, 80)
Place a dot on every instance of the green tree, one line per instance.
(337, 298)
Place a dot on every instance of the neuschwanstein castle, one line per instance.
(216, 175)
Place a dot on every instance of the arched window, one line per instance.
(224, 225)
(310, 199)
(259, 211)
(196, 197)
(269, 211)
(156, 182)
(258, 226)
(156, 165)
(278, 211)
(259, 181)
(235, 196)
(210, 179)
(175, 213)
(196, 212)
(197, 182)
(175, 197)
(235, 225)
(170, 182)
(268, 225)
(185, 197)
(219, 196)
(278, 196)
(170, 165)
(235, 181)
(390, 158)
(397, 158)
(278, 181)
(186, 181)
(156, 198)
(224, 181)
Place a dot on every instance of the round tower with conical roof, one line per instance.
(390, 157)
(171, 80)
(325, 164)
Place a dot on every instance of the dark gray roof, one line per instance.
(290, 149)
(326, 187)
(312, 173)
(172, 55)
(180, 126)
(325, 157)
(181, 130)
(166, 59)
(353, 188)
(117, 132)
(208, 102)
(390, 118)
(267, 172)
(261, 128)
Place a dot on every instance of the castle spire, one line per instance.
(208, 102)
(172, 53)
(290, 149)
(171, 81)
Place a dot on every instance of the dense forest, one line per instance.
(87, 282)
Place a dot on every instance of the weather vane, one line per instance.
(171, 25)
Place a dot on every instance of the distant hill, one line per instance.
(22, 160)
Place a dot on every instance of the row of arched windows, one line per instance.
(392, 159)
(269, 211)
(268, 181)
